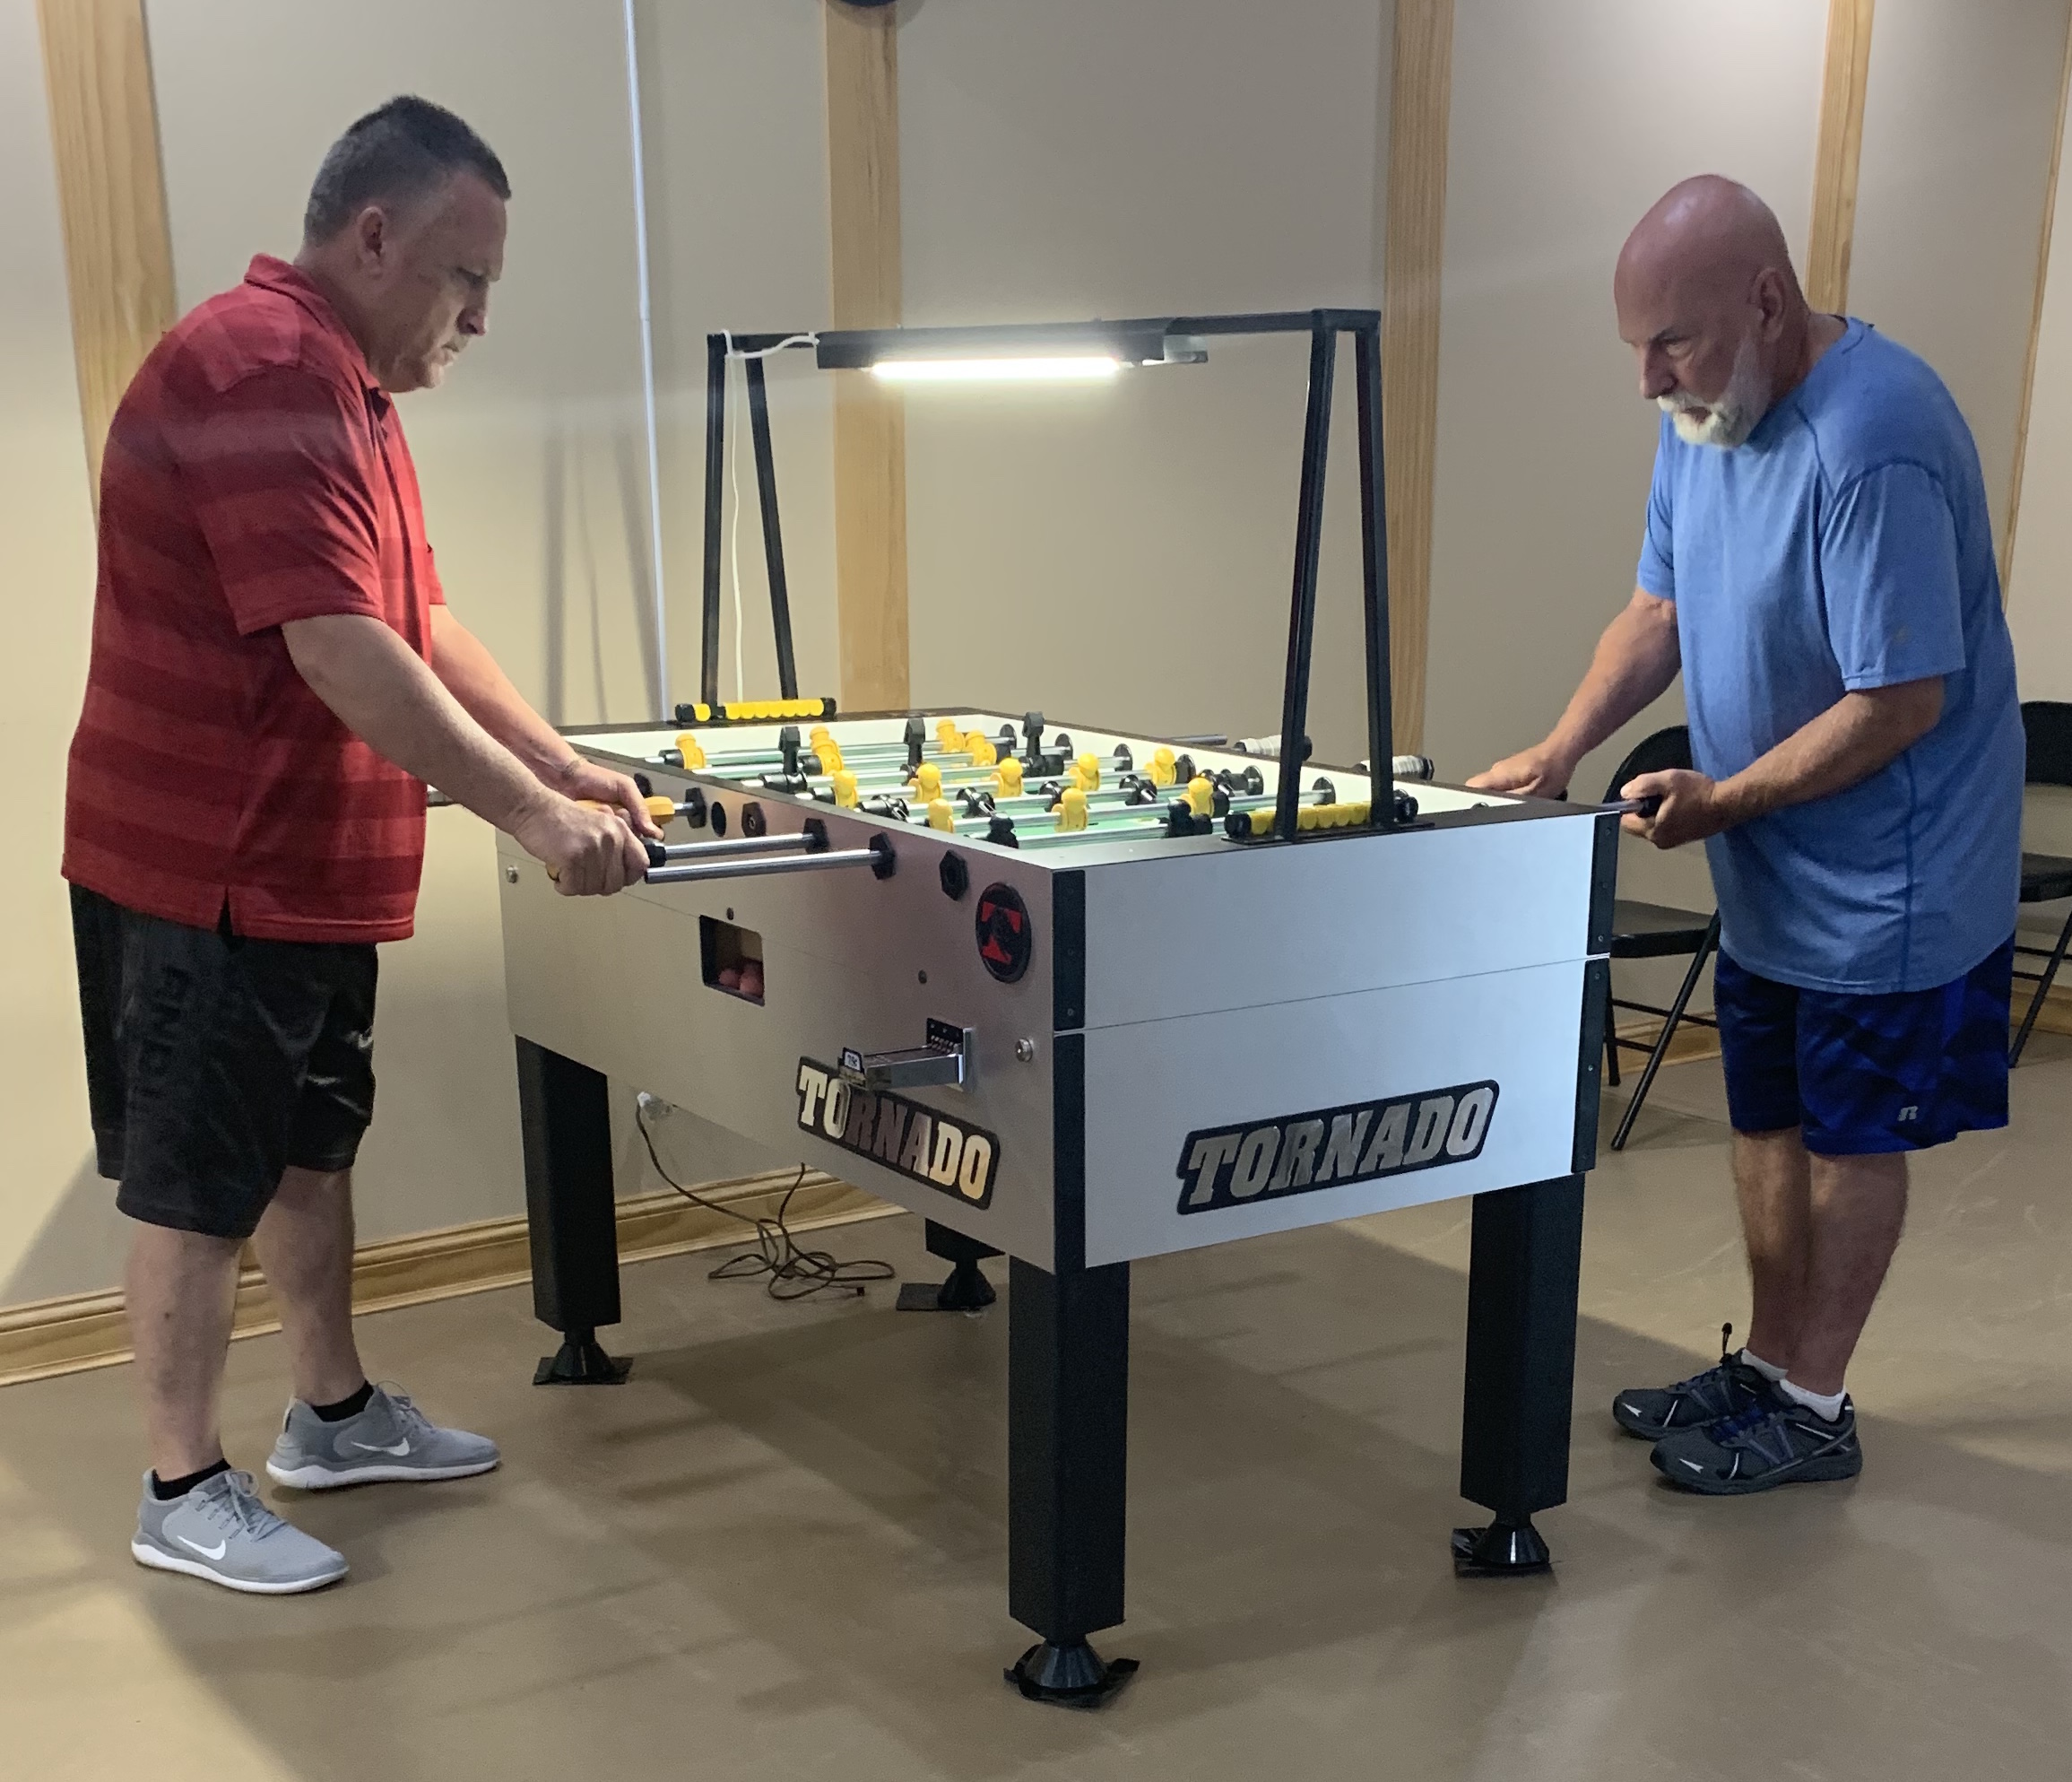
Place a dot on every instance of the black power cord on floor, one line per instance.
(787, 1271)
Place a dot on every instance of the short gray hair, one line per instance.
(400, 151)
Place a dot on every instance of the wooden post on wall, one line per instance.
(2035, 324)
(111, 197)
(1838, 153)
(1420, 107)
(870, 419)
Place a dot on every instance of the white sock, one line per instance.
(1770, 1371)
(1828, 1405)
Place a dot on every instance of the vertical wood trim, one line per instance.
(1845, 78)
(2035, 325)
(870, 419)
(1420, 106)
(111, 197)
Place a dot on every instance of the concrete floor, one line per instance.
(778, 1552)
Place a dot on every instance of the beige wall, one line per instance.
(2040, 587)
(2040, 583)
(1118, 552)
(1568, 121)
(532, 461)
(56, 1220)
(1126, 552)
(1958, 119)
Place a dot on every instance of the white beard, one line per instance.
(1728, 419)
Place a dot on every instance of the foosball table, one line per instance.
(950, 956)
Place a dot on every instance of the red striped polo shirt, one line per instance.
(254, 474)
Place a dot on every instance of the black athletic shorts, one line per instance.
(214, 1061)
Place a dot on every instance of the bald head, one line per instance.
(1712, 232)
(1708, 300)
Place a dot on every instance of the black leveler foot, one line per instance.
(1069, 1676)
(1501, 1549)
(966, 1289)
(581, 1361)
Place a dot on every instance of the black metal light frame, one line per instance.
(1143, 341)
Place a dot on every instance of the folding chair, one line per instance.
(2047, 724)
(1657, 930)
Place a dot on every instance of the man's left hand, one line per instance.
(1691, 808)
(586, 780)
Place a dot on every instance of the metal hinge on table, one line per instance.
(945, 1062)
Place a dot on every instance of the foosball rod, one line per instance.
(878, 857)
(895, 760)
(677, 851)
(1146, 823)
(1004, 739)
(902, 751)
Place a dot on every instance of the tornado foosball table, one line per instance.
(946, 956)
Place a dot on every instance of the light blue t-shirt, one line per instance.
(1847, 545)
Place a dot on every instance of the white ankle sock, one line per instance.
(1828, 1405)
(1770, 1371)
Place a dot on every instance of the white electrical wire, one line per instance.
(734, 482)
(662, 708)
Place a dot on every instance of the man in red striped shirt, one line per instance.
(274, 678)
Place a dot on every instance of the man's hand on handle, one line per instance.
(583, 779)
(1691, 808)
(588, 851)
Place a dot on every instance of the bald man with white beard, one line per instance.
(1817, 563)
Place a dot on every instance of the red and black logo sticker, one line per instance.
(1005, 936)
(1334, 1147)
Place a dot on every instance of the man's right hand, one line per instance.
(1541, 771)
(586, 852)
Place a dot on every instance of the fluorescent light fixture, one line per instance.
(1009, 353)
(1054, 368)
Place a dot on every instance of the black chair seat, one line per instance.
(2045, 878)
(1656, 931)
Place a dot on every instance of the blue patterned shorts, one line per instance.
(1866, 1073)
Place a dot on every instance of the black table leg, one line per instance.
(1525, 1261)
(1067, 1462)
(965, 1288)
(565, 1112)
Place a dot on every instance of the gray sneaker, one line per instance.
(391, 1439)
(221, 1531)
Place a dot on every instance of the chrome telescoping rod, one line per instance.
(683, 852)
(878, 857)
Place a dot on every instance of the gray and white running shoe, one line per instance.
(390, 1440)
(221, 1531)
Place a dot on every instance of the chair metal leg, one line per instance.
(1610, 1034)
(1676, 1014)
(2043, 990)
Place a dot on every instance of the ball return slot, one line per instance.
(731, 959)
